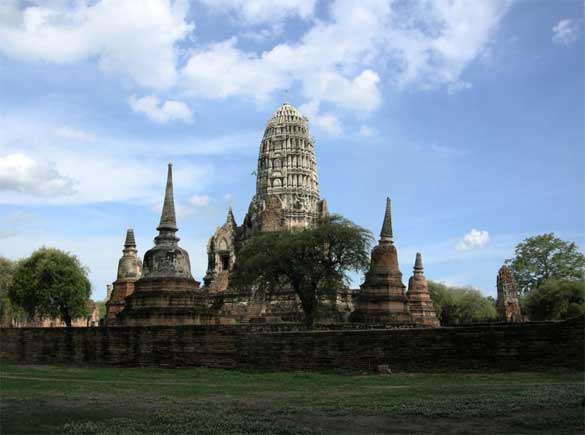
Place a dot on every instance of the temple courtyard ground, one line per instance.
(49, 399)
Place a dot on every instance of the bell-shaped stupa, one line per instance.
(382, 298)
(129, 270)
(166, 294)
(419, 297)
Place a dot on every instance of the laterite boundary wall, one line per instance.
(528, 346)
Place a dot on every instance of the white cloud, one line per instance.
(340, 61)
(161, 113)
(566, 31)
(264, 11)
(23, 174)
(73, 134)
(136, 39)
(112, 169)
(473, 239)
(326, 121)
(199, 200)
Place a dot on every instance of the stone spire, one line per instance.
(386, 233)
(130, 243)
(231, 220)
(420, 301)
(168, 220)
(418, 266)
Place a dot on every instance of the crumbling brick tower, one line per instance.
(419, 297)
(382, 298)
(166, 293)
(129, 270)
(507, 305)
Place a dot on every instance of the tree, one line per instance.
(544, 257)
(51, 283)
(9, 313)
(311, 261)
(556, 300)
(461, 305)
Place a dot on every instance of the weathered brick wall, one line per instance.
(495, 347)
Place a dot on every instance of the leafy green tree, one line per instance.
(461, 305)
(545, 257)
(556, 300)
(313, 261)
(51, 283)
(101, 306)
(9, 313)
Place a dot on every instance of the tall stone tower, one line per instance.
(287, 187)
(382, 297)
(419, 297)
(129, 270)
(287, 193)
(166, 293)
(507, 304)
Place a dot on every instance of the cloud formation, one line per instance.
(473, 239)
(566, 31)
(161, 112)
(264, 11)
(23, 174)
(135, 39)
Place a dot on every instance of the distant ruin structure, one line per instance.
(287, 198)
(129, 271)
(166, 293)
(419, 298)
(507, 305)
(382, 298)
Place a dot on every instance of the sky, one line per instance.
(469, 114)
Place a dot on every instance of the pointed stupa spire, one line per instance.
(168, 220)
(418, 266)
(230, 217)
(130, 240)
(386, 233)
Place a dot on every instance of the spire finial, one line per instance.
(386, 233)
(168, 220)
(230, 217)
(418, 266)
(130, 240)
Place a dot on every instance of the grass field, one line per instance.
(46, 399)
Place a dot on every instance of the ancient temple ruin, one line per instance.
(129, 270)
(382, 297)
(419, 298)
(287, 193)
(507, 304)
(166, 292)
(287, 198)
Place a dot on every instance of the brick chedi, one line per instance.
(166, 293)
(419, 298)
(382, 297)
(507, 304)
(129, 270)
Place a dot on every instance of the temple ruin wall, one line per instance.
(528, 346)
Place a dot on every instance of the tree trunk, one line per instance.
(307, 298)
(67, 319)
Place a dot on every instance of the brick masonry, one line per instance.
(528, 346)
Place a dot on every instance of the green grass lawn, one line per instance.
(47, 399)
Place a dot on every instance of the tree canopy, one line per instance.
(461, 305)
(545, 257)
(556, 300)
(51, 283)
(311, 261)
(9, 313)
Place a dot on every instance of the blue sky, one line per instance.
(468, 114)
